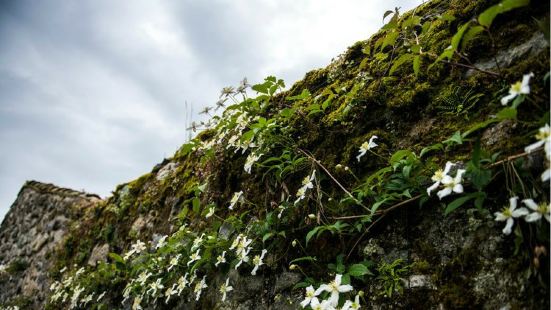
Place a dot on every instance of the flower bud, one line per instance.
(311, 216)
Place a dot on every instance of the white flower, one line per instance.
(335, 288)
(508, 214)
(136, 248)
(87, 299)
(544, 137)
(220, 259)
(169, 292)
(251, 159)
(211, 212)
(257, 261)
(241, 244)
(306, 184)
(236, 198)
(310, 296)
(519, 88)
(324, 305)
(174, 262)
(100, 296)
(541, 210)
(182, 283)
(194, 257)
(352, 305)
(367, 146)
(438, 177)
(199, 288)
(154, 287)
(451, 184)
(74, 298)
(225, 288)
(137, 303)
(243, 257)
(197, 242)
(161, 242)
(142, 277)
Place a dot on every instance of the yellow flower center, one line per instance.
(515, 88)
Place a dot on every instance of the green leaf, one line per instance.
(390, 39)
(456, 138)
(461, 201)
(456, 39)
(358, 270)
(311, 233)
(196, 203)
(434, 147)
(507, 113)
(303, 95)
(400, 61)
(401, 154)
(447, 17)
(267, 236)
(416, 64)
(487, 17)
(387, 13)
(303, 259)
(117, 258)
(470, 35)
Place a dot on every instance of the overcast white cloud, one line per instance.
(92, 92)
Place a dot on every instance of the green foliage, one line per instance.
(487, 17)
(390, 276)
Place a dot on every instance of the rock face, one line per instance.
(34, 227)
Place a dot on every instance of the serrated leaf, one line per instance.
(400, 61)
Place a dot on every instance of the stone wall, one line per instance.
(35, 225)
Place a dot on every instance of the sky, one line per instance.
(94, 93)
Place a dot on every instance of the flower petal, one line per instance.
(520, 212)
(432, 187)
(448, 166)
(533, 146)
(508, 226)
(532, 217)
(530, 204)
(445, 192)
(507, 98)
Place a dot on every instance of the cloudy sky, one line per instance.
(93, 92)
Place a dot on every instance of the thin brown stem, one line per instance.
(313, 159)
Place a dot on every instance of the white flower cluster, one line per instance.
(68, 289)
(449, 184)
(306, 185)
(544, 138)
(334, 288)
(508, 214)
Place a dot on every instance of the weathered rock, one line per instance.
(34, 226)
(99, 254)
